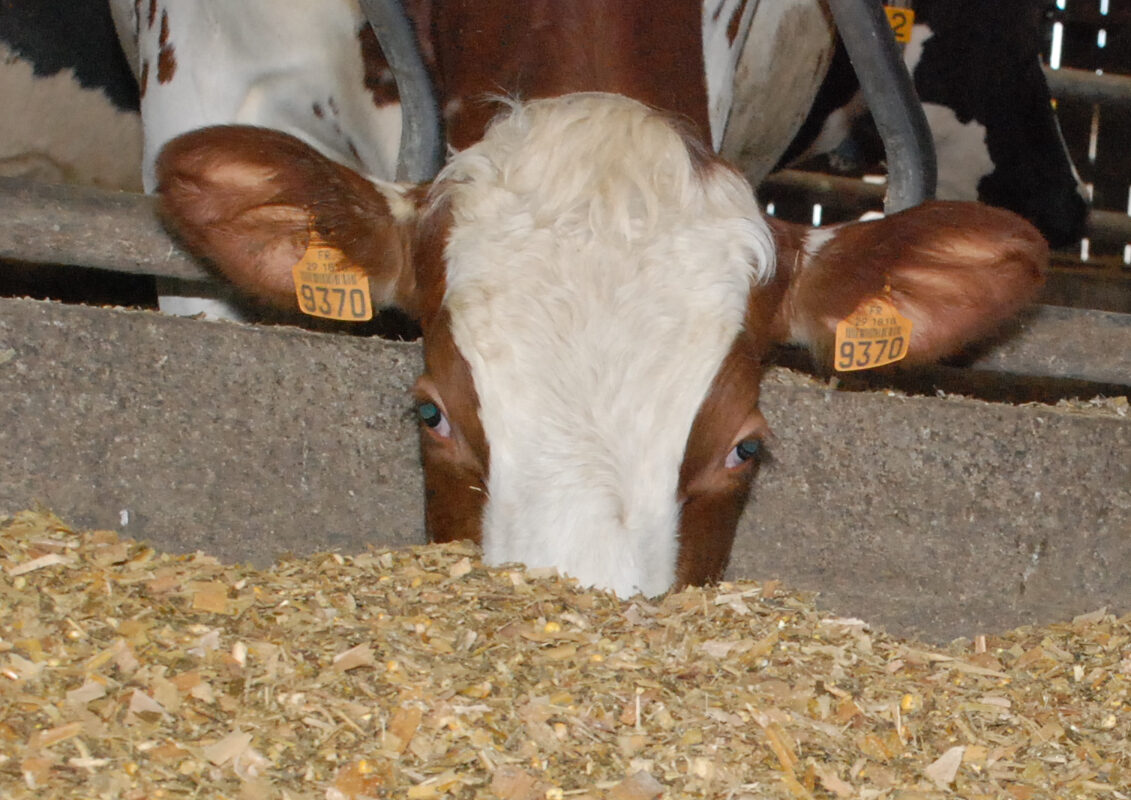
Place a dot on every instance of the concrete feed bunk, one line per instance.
(942, 517)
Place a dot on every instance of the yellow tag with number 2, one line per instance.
(327, 285)
(901, 21)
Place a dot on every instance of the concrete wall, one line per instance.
(922, 515)
(943, 517)
(242, 442)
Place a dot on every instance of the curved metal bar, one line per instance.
(891, 97)
(422, 149)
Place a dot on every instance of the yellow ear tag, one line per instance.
(873, 335)
(327, 285)
(901, 21)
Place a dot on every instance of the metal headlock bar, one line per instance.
(891, 97)
(422, 148)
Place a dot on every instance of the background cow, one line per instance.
(70, 116)
(70, 101)
(977, 70)
(597, 290)
(313, 70)
(986, 99)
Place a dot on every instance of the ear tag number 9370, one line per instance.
(873, 335)
(327, 285)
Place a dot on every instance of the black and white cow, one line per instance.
(70, 116)
(977, 70)
(70, 100)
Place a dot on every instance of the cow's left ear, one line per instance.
(956, 270)
(250, 201)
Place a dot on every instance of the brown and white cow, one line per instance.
(597, 290)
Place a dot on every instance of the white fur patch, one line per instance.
(400, 206)
(961, 152)
(720, 57)
(596, 280)
(261, 62)
(777, 75)
(913, 50)
(55, 130)
(816, 238)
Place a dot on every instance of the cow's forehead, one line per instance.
(585, 232)
(597, 275)
(603, 174)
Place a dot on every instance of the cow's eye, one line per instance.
(742, 452)
(431, 416)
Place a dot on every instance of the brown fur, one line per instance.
(378, 77)
(650, 50)
(166, 56)
(455, 469)
(245, 198)
(713, 496)
(957, 270)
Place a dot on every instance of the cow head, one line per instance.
(597, 294)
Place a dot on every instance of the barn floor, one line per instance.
(128, 673)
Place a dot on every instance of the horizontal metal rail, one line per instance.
(856, 196)
(1085, 86)
(1069, 343)
(117, 231)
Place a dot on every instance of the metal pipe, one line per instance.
(853, 197)
(1080, 85)
(421, 150)
(891, 97)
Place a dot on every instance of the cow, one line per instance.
(597, 289)
(70, 116)
(977, 71)
(70, 102)
(313, 70)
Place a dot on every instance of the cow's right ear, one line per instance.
(247, 199)
(956, 271)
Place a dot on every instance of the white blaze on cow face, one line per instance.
(597, 274)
